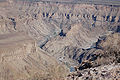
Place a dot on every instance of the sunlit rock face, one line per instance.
(20, 58)
(65, 30)
(57, 25)
(46, 20)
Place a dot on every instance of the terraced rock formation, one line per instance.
(21, 59)
(67, 31)
(46, 20)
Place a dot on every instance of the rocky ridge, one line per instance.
(101, 63)
(68, 32)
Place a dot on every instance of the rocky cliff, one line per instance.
(44, 21)
(101, 62)
(67, 31)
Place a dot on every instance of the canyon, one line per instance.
(45, 39)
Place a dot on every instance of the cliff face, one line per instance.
(56, 26)
(52, 17)
(44, 21)
(62, 30)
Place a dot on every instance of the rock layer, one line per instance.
(22, 59)
(65, 31)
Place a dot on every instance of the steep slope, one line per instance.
(21, 59)
(46, 20)
(63, 30)
(102, 62)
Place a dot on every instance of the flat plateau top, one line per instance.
(8, 40)
(99, 2)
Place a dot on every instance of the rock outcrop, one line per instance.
(106, 72)
(103, 63)
(64, 32)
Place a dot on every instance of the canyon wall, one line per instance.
(56, 26)
(59, 33)
(21, 59)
